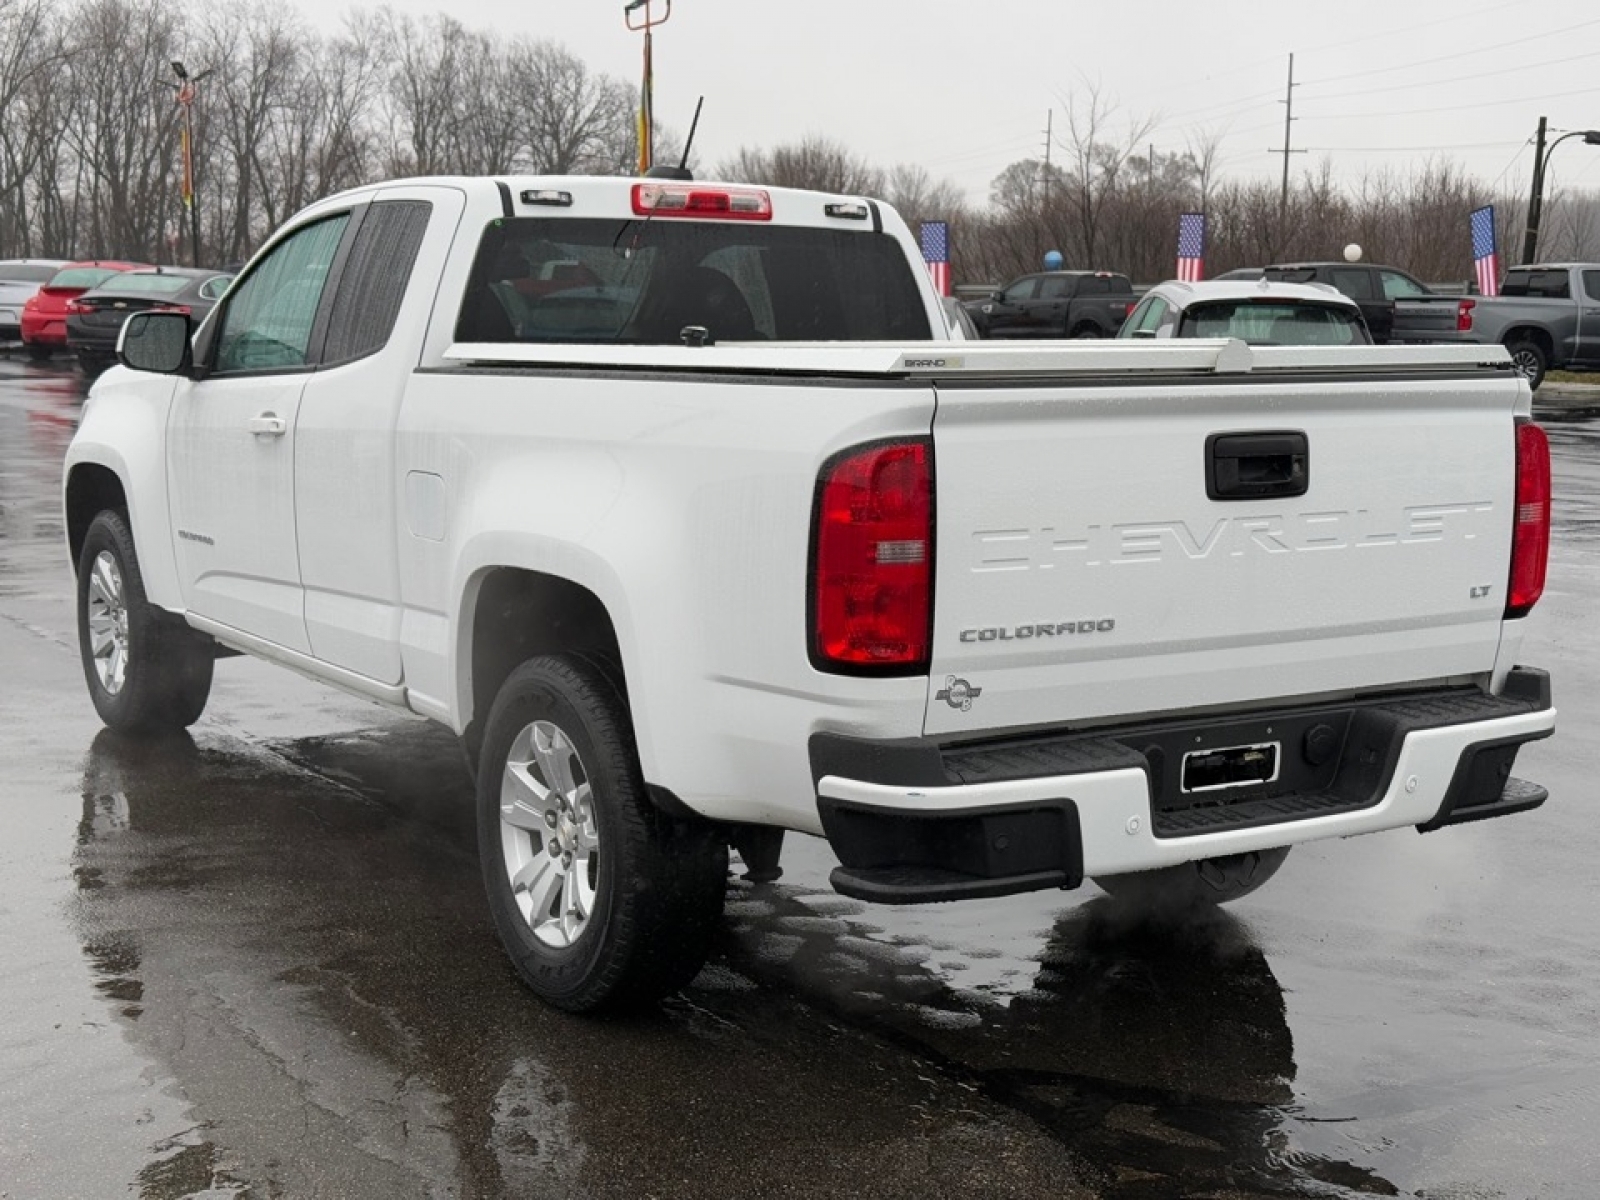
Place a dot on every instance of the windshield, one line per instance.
(645, 282)
(1275, 323)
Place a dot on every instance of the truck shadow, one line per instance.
(295, 934)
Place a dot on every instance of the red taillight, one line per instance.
(693, 200)
(174, 308)
(1530, 533)
(1464, 315)
(79, 307)
(872, 559)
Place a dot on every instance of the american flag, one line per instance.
(936, 253)
(1192, 247)
(1485, 254)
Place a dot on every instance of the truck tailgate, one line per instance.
(1084, 571)
(1419, 320)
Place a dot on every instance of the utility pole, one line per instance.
(1530, 239)
(1288, 122)
(1044, 207)
(1049, 126)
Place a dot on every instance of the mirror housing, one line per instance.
(156, 341)
(1142, 333)
(996, 297)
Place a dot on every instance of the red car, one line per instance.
(44, 318)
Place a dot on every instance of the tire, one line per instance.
(1529, 360)
(1086, 331)
(602, 901)
(92, 365)
(38, 352)
(1192, 884)
(147, 671)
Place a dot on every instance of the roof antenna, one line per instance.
(681, 171)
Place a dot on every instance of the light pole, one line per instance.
(647, 116)
(185, 92)
(1541, 161)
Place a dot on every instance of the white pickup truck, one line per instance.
(679, 504)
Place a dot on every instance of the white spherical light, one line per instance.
(1352, 253)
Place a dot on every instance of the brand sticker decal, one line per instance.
(958, 693)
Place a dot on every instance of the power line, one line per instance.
(1407, 149)
(1496, 48)
(1457, 18)
(1475, 76)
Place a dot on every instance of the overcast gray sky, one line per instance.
(963, 86)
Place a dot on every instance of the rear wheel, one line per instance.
(147, 671)
(1529, 360)
(1085, 331)
(92, 364)
(37, 352)
(601, 900)
(1190, 884)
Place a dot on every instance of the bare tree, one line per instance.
(814, 162)
(1097, 148)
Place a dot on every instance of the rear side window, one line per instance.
(1591, 284)
(643, 282)
(1552, 285)
(1355, 284)
(1055, 287)
(374, 278)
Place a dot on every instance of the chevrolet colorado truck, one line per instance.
(711, 532)
(1546, 316)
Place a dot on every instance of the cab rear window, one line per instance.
(659, 282)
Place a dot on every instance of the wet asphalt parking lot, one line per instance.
(256, 962)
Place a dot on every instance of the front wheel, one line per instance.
(1529, 361)
(147, 671)
(601, 900)
(1191, 884)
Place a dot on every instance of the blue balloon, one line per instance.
(1053, 260)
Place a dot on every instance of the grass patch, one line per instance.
(1573, 377)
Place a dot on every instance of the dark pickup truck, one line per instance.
(1055, 304)
(1547, 316)
(1386, 294)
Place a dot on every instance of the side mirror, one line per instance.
(996, 297)
(156, 341)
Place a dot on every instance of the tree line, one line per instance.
(90, 154)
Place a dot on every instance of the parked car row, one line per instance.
(79, 307)
(1547, 315)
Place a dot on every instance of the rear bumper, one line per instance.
(920, 821)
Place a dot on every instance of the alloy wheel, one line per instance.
(549, 835)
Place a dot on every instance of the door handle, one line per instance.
(1251, 466)
(268, 425)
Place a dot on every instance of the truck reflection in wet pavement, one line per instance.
(294, 933)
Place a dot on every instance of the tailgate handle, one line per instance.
(1250, 466)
